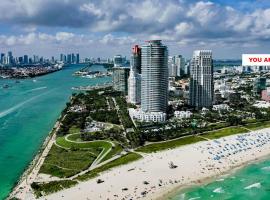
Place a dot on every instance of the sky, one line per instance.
(104, 28)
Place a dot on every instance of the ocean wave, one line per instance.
(255, 185)
(266, 168)
(193, 198)
(218, 190)
(220, 180)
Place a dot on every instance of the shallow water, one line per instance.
(251, 182)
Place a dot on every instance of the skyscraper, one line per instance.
(69, 58)
(73, 58)
(9, 58)
(61, 57)
(201, 89)
(154, 84)
(180, 65)
(120, 79)
(36, 59)
(134, 80)
(2, 58)
(25, 59)
(77, 58)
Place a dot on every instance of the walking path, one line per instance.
(103, 153)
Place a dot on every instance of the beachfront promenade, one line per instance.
(152, 177)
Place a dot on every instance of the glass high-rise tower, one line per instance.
(201, 89)
(154, 78)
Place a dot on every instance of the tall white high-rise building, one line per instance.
(134, 80)
(201, 90)
(154, 85)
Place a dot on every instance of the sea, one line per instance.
(29, 109)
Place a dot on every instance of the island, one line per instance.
(86, 72)
(29, 71)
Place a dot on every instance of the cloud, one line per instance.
(64, 36)
(125, 22)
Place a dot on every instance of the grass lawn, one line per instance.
(159, 146)
(41, 189)
(74, 129)
(81, 145)
(75, 137)
(93, 146)
(65, 163)
(258, 125)
(224, 132)
(115, 150)
(130, 157)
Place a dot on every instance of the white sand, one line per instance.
(195, 162)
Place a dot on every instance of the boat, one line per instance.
(4, 76)
(17, 81)
(5, 86)
(34, 80)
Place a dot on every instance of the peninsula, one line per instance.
(95, 144)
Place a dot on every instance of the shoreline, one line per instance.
(200, 170)
(35, 161)
(171, 193)
(164, 192)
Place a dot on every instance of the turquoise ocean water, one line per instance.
(28, 111)
(249, 183)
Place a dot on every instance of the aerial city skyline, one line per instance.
(9, 60)
(146, 81)
(128, 99)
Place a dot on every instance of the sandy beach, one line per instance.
(23, 189)
(154, 176)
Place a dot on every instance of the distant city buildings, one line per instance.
(201, 89)
(176, 66)
(9, 60)
(180, 64)
(259, 85)
(70, 58)
(77, 58)
(118, 61)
